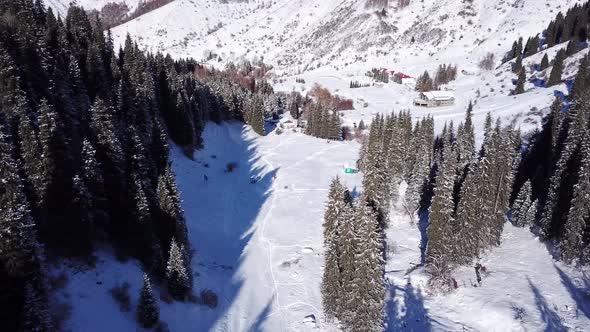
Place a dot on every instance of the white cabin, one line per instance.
(435, 99)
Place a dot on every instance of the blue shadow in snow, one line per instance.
(580, 294)
(423, 227)
(562, 96)
(548, 315)
(270, 125)
(257, 327)
(220, 214)
(412, 315)
(538, 82)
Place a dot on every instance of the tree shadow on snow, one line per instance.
(220, 211)
(423, 227)
(409, 315)
(548, 315)
(580, 294)
(257, 326)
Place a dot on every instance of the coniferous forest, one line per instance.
(87, 126)
(84, 131)
(467, 195)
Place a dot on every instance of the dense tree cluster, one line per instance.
(379, 75)
(357, 84)
(323, 122)
(471, 195)
(396, 151)
(572, 27)
(555, 167)
(353, 285)
(444, 75)
(557, 69)
(115, 13)
(320, 108)
(86, 126)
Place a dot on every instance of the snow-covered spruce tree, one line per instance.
(257, 117)
(48, 138)
(394, 155)
(348, 246)
(37, 316)
(484, 198)
(517, 65)
(469, 216)
(22, 256)
(92, 176)
(441, 246)
(575, 238)
(521, 205)
(556, 71)
(544, 62)
(466, 140)
(520, 82)
(30, 152)
(422, 142)
(332, 280)
(375, 177)
(176, 273)
(502, 157)
(581, 81)
(531, 214)
(362, 160)
(563, 178)
(365, 309)
(148, 313)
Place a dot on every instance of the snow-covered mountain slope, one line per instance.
(298, 35)
(61, 6)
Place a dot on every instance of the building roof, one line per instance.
(438, 95)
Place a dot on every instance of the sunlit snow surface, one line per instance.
(259, 247)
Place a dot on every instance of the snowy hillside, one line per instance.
(305, 34)
(61, 6)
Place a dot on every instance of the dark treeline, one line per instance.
(353, 284)
(470, 197)
(321, 110)
(444, 75)
(114, 13)
(84, 153)
(379, 75)
(572, 27)
(551, 187)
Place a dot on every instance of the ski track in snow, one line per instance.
(270, 245)
(282, 260)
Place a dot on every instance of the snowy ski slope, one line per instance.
(259, 246)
